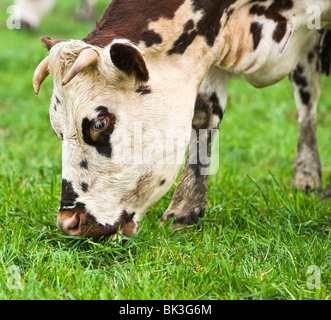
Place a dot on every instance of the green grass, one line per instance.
(256, 242)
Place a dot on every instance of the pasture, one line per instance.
(257, 240)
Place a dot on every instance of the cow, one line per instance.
(153, 70)
(31, 12)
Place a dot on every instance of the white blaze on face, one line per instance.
(122, 150)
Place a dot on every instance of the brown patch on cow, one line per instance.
(280, 31)
(129, 229)
(141, 191)
(273, 12)
(189, 25)
(256, 31)
(129, 19)
(151, 38)
(182, 43)
(210, 24)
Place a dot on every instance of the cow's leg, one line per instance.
(305, 79)
(189, 200)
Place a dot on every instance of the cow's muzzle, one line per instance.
(78, 222)
(72, 222)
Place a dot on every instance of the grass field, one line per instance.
(256, 242)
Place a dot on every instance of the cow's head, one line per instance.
(116, 116)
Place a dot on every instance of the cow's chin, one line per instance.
(78, 222)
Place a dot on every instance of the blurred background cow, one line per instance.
(33, 11)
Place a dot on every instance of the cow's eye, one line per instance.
(99, 124)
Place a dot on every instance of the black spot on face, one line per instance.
(56, 103)
(68, 196)
(84, 186)
(99, 139)
(162, 182)
(84, 164)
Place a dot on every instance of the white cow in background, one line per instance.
(33, 11)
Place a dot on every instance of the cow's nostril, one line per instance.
(68, 223)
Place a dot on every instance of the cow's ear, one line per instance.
(49, 43)
(129, 59)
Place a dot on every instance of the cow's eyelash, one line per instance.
(99, 124)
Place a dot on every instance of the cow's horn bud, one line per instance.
(86, 58)
(40, 74)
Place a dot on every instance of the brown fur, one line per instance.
(127, 19)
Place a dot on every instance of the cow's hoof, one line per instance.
(182, 220)
(307, 182)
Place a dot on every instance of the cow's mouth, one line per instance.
(78, 222)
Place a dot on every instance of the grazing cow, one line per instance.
(33, 11)
(147, 74)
